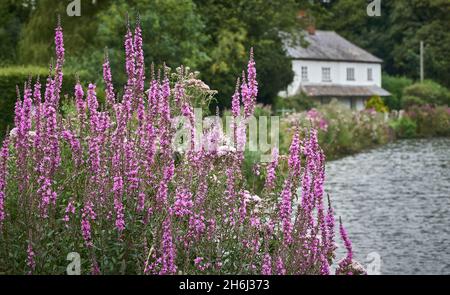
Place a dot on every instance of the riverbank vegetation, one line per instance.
(344, 132)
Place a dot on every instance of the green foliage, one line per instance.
(409, 101)
(395, 86)
(172, 30)
(296, 103)
(376, 103)
(404, 128)
(235, 26)
(12, 76)
(13, 14)
(428, 92)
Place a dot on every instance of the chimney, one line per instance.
(311, 29)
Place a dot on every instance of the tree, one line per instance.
(234, 27)
(13, 15)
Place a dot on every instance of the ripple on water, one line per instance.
(395, 200)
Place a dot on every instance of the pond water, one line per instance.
(395, 201)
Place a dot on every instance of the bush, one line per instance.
(296, 103)
(12, 76)
(395, 86)
(376, 103)
(404, 128)
(428, 92)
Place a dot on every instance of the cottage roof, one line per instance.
(343, 90)
(328, 45)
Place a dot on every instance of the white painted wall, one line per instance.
(338, 74)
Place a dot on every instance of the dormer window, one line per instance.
(350, 74)
(305, 74)
(369, 74)
(326, 74)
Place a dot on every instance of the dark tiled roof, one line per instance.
(342, 90)
(327, 45)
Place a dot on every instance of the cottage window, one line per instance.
(304, 74)
(326, 75)
(369, 74)
(350, 74)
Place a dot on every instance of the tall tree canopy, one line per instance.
(395, 35)
(234, 27)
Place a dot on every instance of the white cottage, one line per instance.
(332, 67)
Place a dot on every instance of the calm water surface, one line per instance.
(395, 200)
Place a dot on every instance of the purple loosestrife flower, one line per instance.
(59, 44)
(164, 107)
(187, 111)
(107, 77)
(270, 179)
(130, 65)
(329, 221)
(252, 82)
(118, 205)
(86, 231)
(139, 53)
(286, 211)
(30, 259)
(92, 102)
(141, 202)
(80, 103)
(26, 110)
(183, 203)
(50, 137)
(70, 209)
(37, 98)
(267, 265)
(153, 98)
(246, 98)
(75, 146)
(18, 111)
(4, 155)
(197, 224)
(249, 89)
(280, 268)
(348, 246)
(235, 101)
(230, 196)
(324, 266)
(294, 155)
(94, 155)
(132, 166)
(168, 250)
